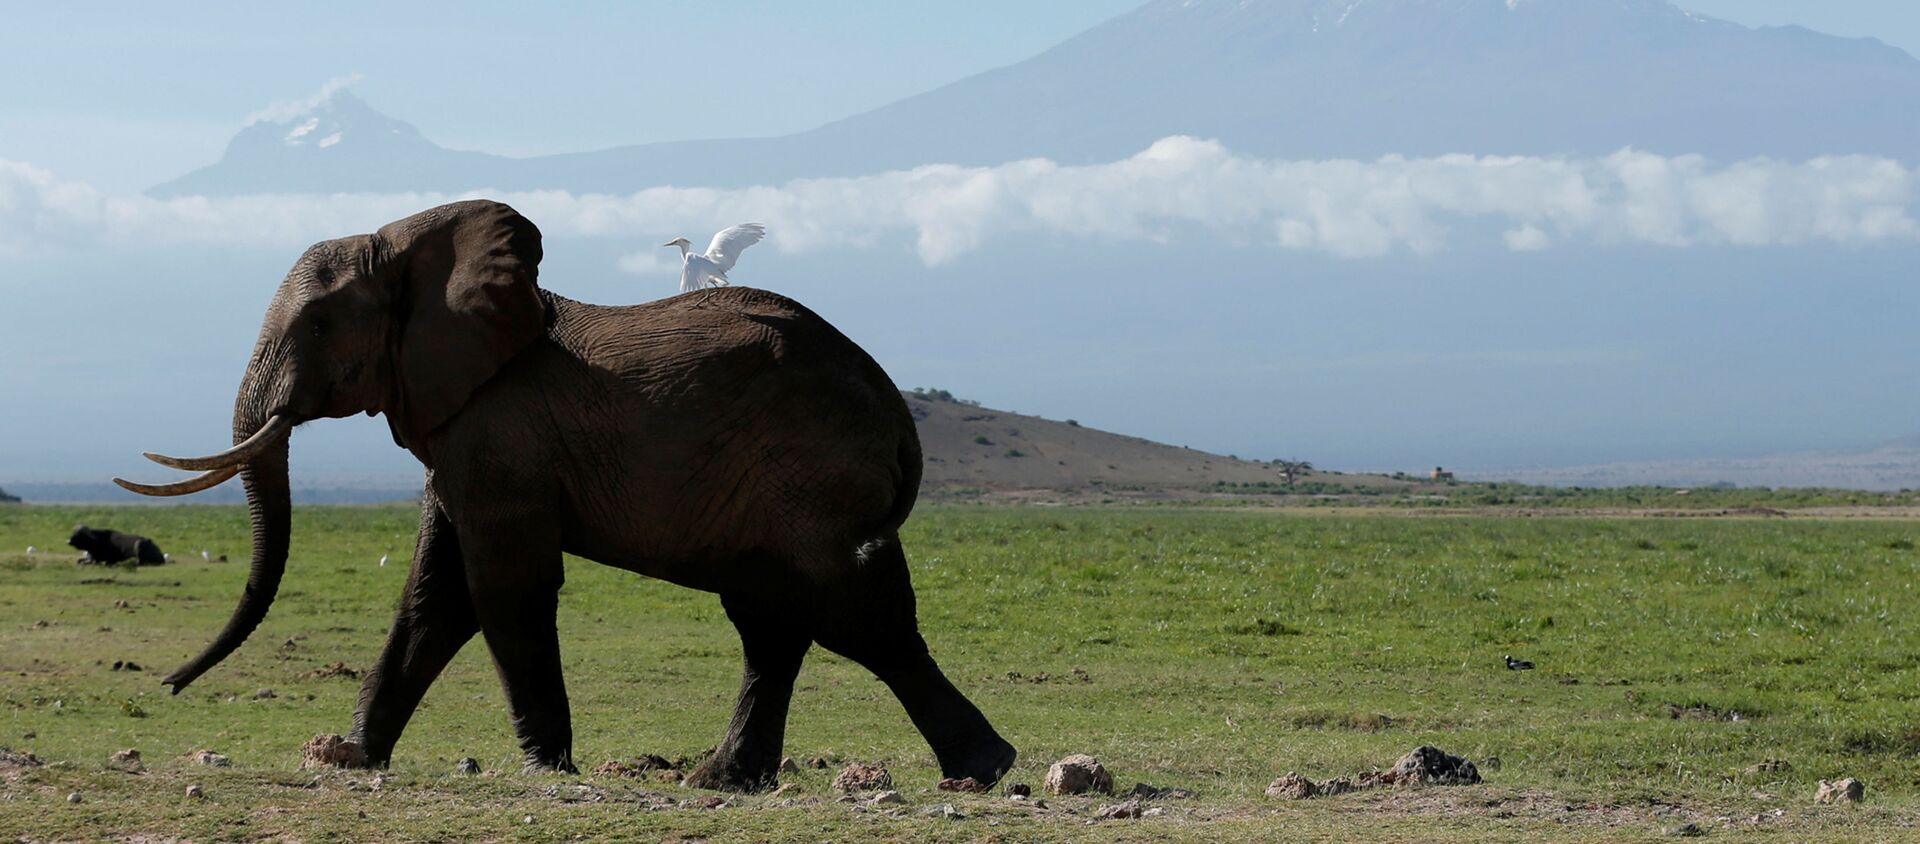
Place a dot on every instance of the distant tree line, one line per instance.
(8, 499)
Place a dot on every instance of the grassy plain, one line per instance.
(1206, 649)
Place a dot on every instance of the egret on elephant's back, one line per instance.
(709, 269)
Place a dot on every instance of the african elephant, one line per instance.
(738, 445)
(112, 546)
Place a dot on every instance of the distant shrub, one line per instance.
(933, 394)
(1073, 423)
(1014, 452)
(982, 440)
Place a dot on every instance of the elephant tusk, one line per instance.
(268, 435)
(205, 480)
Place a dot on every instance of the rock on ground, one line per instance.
(469, 766)
(1847, 790)
(1292, 787)
(331, 750)
(967, 785)
(1429, 765)
(212, 759)
(1129, 809)
(126, 760)
(887, 797)
(862, 777)
(1078, 774)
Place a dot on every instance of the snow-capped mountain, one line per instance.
(1309, 79)
(336, 144)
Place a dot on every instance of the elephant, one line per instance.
(739, 445)
(111, 546)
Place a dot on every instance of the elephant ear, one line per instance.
(464, 280)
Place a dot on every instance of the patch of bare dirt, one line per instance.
(1704, 712)
(338, 669)
(646, 766)
(1424, 765)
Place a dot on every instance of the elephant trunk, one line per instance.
(268, 503)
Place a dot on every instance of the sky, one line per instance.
(121, 97)
(124, 95)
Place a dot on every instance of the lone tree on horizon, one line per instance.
(1293, 470)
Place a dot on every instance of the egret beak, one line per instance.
(674, 242)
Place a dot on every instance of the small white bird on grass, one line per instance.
(30, 550)
(383, 559)
(709, 269)
(206, 555)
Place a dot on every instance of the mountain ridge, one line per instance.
(1273, 78)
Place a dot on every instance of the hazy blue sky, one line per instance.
(1768, 311)
(127, 94)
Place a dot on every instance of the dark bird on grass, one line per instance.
(1518, 664)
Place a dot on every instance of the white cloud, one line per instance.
(1527, 238)
(648, 263)
(1178, 186)
(286, 110)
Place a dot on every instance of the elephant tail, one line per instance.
(908, 489)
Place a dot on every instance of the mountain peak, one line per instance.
(334, 118)
(331, 142)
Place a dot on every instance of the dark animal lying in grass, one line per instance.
(111, 546)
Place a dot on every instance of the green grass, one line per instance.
(1211, 650)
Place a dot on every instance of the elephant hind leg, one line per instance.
(748, 759)
(868, 616)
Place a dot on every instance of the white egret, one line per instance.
(710, 269)
(383, 559)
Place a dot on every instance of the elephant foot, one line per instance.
(542, 763)
(726, 773)
(986, 763)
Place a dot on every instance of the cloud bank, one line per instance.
(1180, 185)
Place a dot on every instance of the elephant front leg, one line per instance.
(748, 759)
(514, 576)
(434, 620)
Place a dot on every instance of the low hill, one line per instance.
(972, 447)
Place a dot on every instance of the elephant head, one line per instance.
(407, 321)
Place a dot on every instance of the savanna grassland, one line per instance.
(1211, 650)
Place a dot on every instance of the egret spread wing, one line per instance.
(726, 247)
